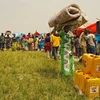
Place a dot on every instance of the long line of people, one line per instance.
(26, 42)
(50, 43)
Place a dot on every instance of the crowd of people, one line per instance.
(50, 43)
(26, 42)
(31, 42)
(86, 43)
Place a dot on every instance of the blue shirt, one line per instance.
(47, 39)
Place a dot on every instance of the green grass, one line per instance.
(31, 76)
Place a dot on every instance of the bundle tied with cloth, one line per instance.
(69, 16)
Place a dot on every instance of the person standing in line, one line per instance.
(77, 46)
(47, 45)
(8, 42)
(24, 43)
(51, 35)
(55, 42)
(14, 42)
(41, 43)
(98, 48)
(2, 41)
(91, 39)
(36, 43)
(30, 43)
(82, 42)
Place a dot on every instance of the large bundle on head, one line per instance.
(71, 15)
(8, 32)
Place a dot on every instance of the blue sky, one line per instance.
(31, 15)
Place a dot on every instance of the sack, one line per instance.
(30, 40)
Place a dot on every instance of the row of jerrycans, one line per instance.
(89, 85)
(91, 64)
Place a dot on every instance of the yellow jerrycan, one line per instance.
(92, 88)
(87, 62)
(76, 77)
(82, 82)
(95, 70)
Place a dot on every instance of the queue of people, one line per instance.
(26, 42)
(50, 43)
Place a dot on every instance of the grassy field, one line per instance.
(31, 76)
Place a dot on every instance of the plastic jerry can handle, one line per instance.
(95, 56)
(92, 55)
